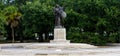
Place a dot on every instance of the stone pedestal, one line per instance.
(59, 42)
(59, 36)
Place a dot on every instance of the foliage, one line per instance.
(38, 17)
(84, 19)
(2, 22)
(114, 37)
(2, 19)
(78, 35)
(12, 18)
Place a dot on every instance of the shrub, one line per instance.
(75, 35)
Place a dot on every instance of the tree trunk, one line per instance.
(13, 37)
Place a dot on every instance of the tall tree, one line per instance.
(13, 17)
(38, 18)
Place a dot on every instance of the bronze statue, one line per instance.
(59, 16)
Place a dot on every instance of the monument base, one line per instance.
(59, 46)
(59, 42)
(59, 36)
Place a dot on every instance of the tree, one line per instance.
(2, 22)
(37, 18)
(12, 18)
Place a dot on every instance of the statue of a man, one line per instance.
(59, 16)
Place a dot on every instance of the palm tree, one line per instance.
(13, 21)
(12, 18)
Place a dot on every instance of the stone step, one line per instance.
(60, 45)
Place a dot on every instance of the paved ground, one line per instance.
(113, 50)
